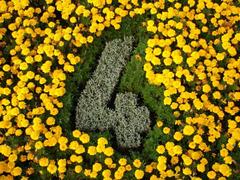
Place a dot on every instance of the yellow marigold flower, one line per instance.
(128, 167)
(100, 148)
(187, 171)
(92, 150)
(10, 165)
(139, 174)
(174, 160)
(149, 168)
(80, 149)
(4, 6)
(178, 136)
(162, 159)
(169, 145)
(223, 152)
(228, 160)
(38, 145)
(201, 167)
(108, 161)
(12, 158)
(217, 95)
(52, 168)
(179, 25)
(177, 114)
(50, 121)
(167, 61)
(196, 155)
(62, 140)
(161, 167)
(118, 174)
(78, 169)
(177, 150)
(171, 33)
(198, 104)
(122, 161)
(73, 158)
(236, 134)
(73, 20)
(225, 170)
(89, 39)
(187, 49)
(25, 51)
(211, 174)
(78, 159)
(102, 141)
(113, 166)
(147, 67)
(166, 54)
(159, 123)
(137, 163)
(84, 138)
(106, 173)
(155, 61)
(62, 162)
(87, 172)
(108, 151)
(204, 161)
(197, 139)
(178, 59)
(97, 167)
(232, 51)
(6, 68)
(206, 88)
(76, 133)
(157, 51)
(166, 130)
(187, 160)
(153, 177)
(188, 130)
(43, 162)
(167, 101)
(220, 56)
(17, 171)
(160, 149)
(23, 66)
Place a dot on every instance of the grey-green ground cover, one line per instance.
(92, 113)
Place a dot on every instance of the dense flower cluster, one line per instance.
(193, 53)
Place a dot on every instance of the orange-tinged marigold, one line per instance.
(43, 162)
(17, 171)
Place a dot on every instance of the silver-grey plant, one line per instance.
(127, 120)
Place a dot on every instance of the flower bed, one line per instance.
(184, 68)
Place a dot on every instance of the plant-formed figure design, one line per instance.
(92, 113)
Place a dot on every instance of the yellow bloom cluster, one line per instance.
(193, 54)
(195, 45)
(33, 76)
